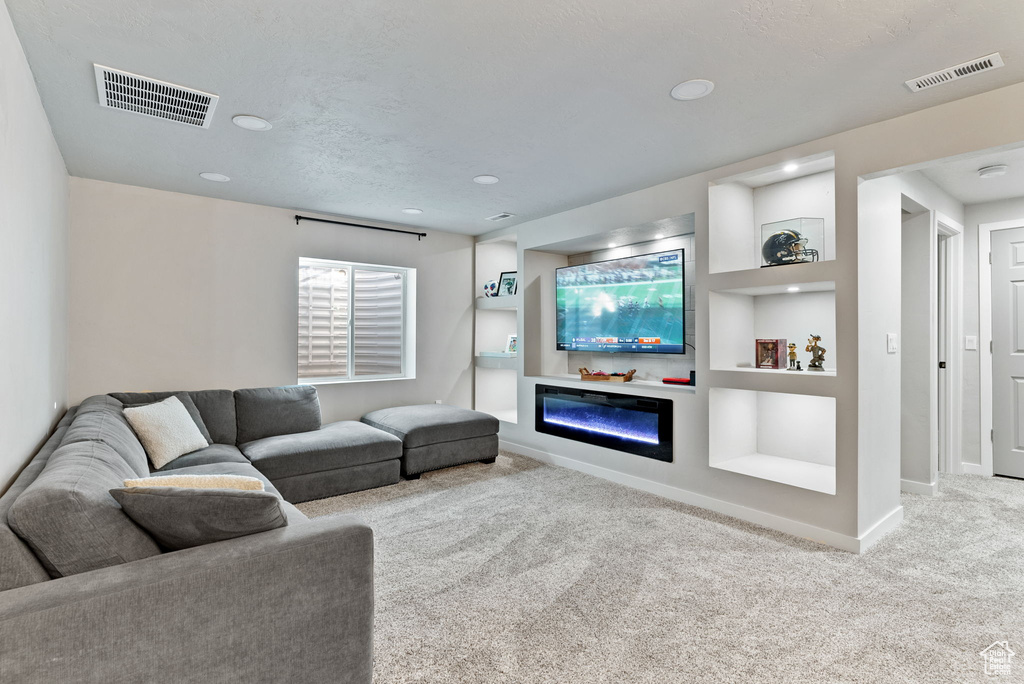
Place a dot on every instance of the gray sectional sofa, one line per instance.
(88, 596)
(278, 431)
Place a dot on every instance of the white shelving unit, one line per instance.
(499, 362)
(776, 425)
(787, 438)
(495, 378)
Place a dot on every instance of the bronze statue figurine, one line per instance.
(817, 353)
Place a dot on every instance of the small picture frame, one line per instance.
(508, 283)
(512, 344)
(770, 354)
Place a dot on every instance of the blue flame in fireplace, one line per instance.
(637, 426)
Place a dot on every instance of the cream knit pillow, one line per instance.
(166, 430)
(243, 482)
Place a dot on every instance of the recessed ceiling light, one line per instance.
(410, 210)
(790, 167)
(693, 89)
(486, 180)
(659, 236)
(612, 244)
(992, 171)
(215, 177)
(251, 123)
(793, 288)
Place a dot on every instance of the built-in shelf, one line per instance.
(507, 303)
(500, 362)
(739, 316)
(744, 209)
(495, 378)
(767, 380)
(776, 280)
(650, 387)
(779, 436)
(790, 471)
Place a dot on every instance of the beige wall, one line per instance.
(33, 264)
(173, 291)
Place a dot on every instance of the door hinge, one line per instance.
(990, 346)
(990, 257)
(992, 435)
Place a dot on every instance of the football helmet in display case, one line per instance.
(794, 241)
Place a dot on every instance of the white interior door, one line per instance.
(919, 355)
(1008, 352)
(941, 338)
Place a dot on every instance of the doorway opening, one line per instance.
(931, 365)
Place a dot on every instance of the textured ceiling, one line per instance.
(960, 177)
(380, 105)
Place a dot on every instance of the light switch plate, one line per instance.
(971, 343)
(890, 343)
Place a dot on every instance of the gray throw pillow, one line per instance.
(190, 406)
(180, 518)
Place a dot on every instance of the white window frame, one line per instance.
(408, 334)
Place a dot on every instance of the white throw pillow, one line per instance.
(166, 430)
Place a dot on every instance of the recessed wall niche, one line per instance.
(740, 205)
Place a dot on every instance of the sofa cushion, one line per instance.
(426, 424)
(70, 520)
(227, 469)
(193, 481)
(215, 453)
(183, 517)
(217, 408)
(19, 566)
(269, 411)
(190, 406)
(166, 430)
(100, 419)
(336, 445)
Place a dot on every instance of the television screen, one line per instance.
(632, 304)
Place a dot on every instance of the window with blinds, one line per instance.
(353, 321)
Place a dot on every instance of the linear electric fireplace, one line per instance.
(626, 422)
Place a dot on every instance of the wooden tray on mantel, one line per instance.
(586, 375)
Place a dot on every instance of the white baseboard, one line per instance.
(769, 520)
(914, 487)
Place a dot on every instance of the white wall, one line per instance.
(974, 215)
(172, 291)
(33, 263)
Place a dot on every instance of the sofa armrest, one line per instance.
(293, 604)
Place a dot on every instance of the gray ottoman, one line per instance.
(438, 436)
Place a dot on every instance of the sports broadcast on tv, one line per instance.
(632, 304)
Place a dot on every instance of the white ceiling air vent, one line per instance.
(976, 66)
(500, 217)
(150, 97)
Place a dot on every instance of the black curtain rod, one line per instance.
(299, 217)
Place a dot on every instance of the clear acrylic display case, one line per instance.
(793, 241)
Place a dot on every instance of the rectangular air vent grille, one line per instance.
(977, 66)
(500, 217)
(150, 97)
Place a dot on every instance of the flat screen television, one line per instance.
(632, 304)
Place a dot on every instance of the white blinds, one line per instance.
(329, 343)
(323, 321)
(377, 323)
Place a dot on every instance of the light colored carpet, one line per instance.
(523, 572)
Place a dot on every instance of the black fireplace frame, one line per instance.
(662, 451)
